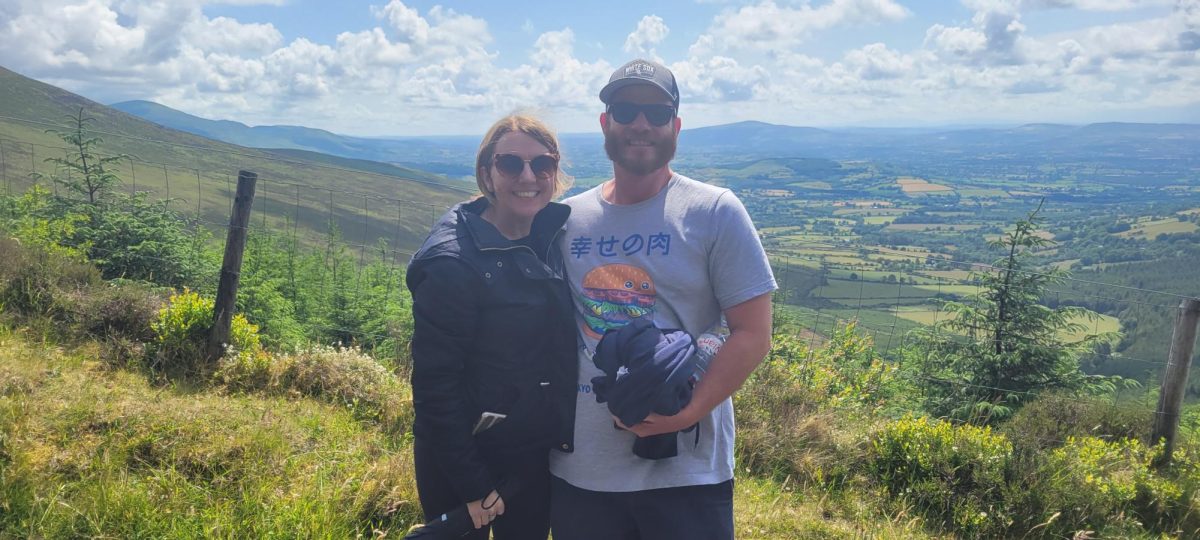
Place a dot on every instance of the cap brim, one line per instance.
(612, 87)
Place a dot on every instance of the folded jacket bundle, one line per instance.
(646, 369)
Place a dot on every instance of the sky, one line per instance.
(414, 67)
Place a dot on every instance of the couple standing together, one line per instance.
(512, 293)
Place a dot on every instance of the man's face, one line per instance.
(640, 147)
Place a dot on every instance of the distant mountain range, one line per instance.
(1166, 141)
(1123, 145)
(451, 156)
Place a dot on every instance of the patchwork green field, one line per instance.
(926, 315)
(985, 193)
(924, 227)
(849, 292)
(1151, 229)
(868, 211)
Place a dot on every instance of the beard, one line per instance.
(664, 152)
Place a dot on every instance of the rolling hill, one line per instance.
(365, 200)
(447, 155)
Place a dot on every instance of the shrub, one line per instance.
(181, 336)
(339, 375)
(1107, 486)
(131, 237)
(787, 424)
(954, 475)
(36, 219)
(118, 310)
(1045, 423)
(34, 282)
(264, 305)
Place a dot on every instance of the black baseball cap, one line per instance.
(641, 71)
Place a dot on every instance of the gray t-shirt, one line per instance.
(683, 257)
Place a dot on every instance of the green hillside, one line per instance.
(366, 200)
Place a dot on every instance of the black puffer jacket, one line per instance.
(494, 331)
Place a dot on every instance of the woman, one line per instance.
(493, 339)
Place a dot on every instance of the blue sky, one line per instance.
(415, 67)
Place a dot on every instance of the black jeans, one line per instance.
(689, 512)
(526, 516)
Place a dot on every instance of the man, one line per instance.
(650, 242)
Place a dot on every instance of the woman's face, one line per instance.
(522, 193)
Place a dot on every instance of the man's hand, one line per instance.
(485, 510)
(748, 342)
(657, 424)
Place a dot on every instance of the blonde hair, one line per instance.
(518, 123)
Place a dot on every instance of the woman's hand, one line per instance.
(485, 510)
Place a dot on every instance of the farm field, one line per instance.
(858, 211)
(1151, 229)
(837, 266)
(928, 315)
(983, 193)
(940, 227)
(917, 186)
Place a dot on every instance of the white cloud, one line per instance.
(406, 25)
(300, 69)
(959, 42)
(437, 70)
(877, 61)
(770, 26)
(995, 39)
(554, 77)
(1085, 5)
(120, 38)
(718, 79)
(56, 36)
(230, 36)
(1189, 12)
(651, 31)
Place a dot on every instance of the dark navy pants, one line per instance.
(525, 518)
(691, 512)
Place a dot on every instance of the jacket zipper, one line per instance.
(531, 251)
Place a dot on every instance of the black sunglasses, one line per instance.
(512, 165)
(656, 114)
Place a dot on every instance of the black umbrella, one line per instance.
(457, 523)
(454, 524)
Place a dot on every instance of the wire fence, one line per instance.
(819, 295)
(308, 212)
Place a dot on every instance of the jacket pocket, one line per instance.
(530, 422)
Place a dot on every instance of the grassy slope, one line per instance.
(199, 172)
(88, 451)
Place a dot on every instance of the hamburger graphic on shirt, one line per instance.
(613, 295)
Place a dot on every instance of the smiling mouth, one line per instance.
(526, 194)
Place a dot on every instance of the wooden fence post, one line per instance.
(1170, 399)
(231, 265)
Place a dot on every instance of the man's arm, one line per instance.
(748, 343)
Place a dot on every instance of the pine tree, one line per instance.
(1001, 347)
(83, 171)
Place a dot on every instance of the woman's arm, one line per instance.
(445, 316)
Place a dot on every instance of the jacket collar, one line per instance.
(546, 225)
